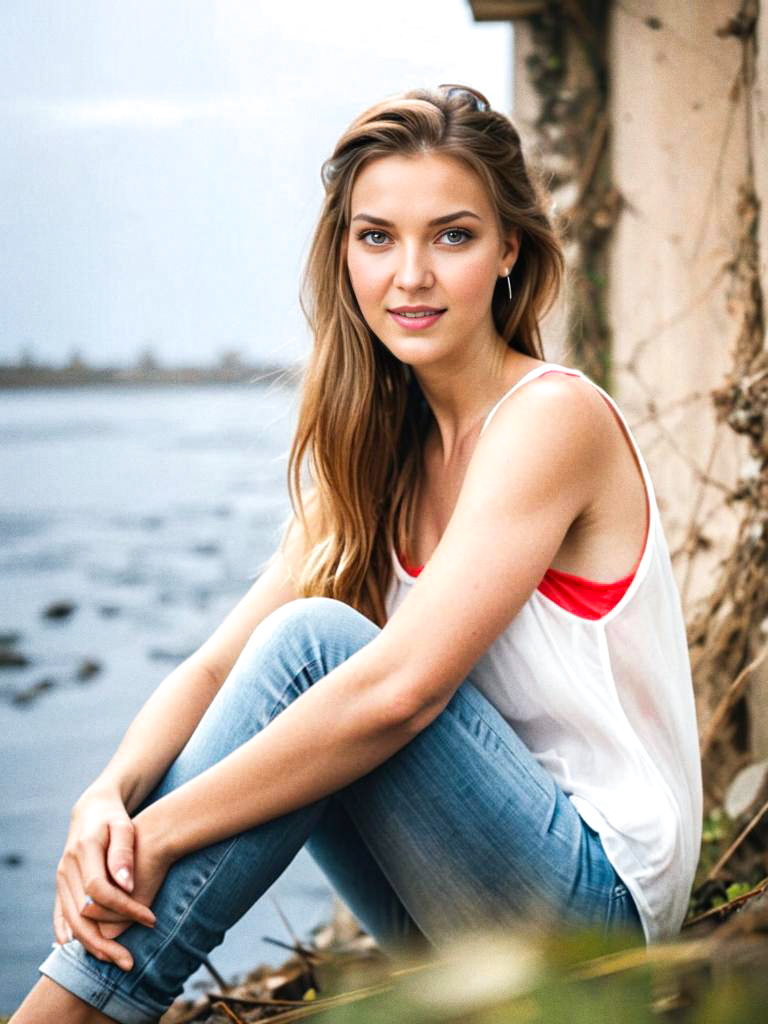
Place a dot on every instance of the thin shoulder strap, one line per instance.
(535, 372)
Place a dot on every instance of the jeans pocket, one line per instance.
(622, 911)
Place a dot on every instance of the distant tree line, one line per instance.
(230, 368)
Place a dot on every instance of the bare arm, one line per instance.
(345, 724)
(100, 846)
(530, 476)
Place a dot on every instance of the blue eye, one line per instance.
(364, 234)
(458, 231)
(449, 231)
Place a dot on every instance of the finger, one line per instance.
(120, 853)
(96, 912)
(90, 936)
(96, 885)
(80, 899)
(111, 931)
(88, 907)
(61, 929)
(74, 884)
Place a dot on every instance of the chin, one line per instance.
(416, 352)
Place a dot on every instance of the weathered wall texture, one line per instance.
(758, 127)
(525, 108)
(679, 153)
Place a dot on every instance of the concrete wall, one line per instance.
(679, 153)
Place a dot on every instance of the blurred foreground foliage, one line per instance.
(539, 971)
(714, 972)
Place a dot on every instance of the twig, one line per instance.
(285, 921)
(253, 1001)
(736, 843)
(728, 699)
(730, 905)
(318, 1005)
(215, 974)
(589, 164)
(295, 948)
(218, 1005)
(342, 998)
(642, 956)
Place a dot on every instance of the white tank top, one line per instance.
(607, 706)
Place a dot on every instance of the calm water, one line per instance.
(152, 512)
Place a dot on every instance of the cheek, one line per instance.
(472, 285)
(363, 277)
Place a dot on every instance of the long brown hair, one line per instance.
(362, 415)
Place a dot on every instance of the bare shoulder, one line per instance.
(560, 417)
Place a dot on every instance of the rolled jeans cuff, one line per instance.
(67, 966)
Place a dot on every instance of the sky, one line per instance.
(160, 161)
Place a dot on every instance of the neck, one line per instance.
(460, 398)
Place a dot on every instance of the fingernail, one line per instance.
(70, 934)
(125, 963)
(124, 877)
(88, 902)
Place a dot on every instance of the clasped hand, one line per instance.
(108, 875)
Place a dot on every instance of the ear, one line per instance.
(510, 250)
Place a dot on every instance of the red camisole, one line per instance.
(589, 599)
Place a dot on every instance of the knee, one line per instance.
(320, 613)
(322, 628)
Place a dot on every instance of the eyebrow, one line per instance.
(433, 223)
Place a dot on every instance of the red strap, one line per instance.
(589, 599)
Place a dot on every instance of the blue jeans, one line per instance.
(459, 829)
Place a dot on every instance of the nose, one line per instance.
(414, 270)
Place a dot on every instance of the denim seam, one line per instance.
(107, 994)
(172, 934)
(108, 987)
(115, 996)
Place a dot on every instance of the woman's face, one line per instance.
(422, 233)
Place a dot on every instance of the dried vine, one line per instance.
(567, 69)
(730, 629)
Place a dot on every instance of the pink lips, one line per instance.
(415, 323)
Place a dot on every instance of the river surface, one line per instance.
(150, 511)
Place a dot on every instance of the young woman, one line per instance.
(462, 680)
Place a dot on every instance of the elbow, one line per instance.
(406, 697)
(408, 708)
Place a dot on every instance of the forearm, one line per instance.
(158, 732)
(339, 729)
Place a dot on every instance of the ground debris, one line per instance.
(340, 954)
(718, 964)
